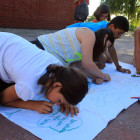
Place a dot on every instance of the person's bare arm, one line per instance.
(8, 97)
(114, 57)
(42, 107)
(87, 39)
(137, 49)
(75, 1)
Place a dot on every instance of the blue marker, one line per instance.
(135, 97)
(89, 83)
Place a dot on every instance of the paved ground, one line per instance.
(126, 126)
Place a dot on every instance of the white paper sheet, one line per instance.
(102, 104)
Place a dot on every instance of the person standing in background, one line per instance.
(136, 59)
(102, 13)
(77, 2)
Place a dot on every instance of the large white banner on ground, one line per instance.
(102, 104)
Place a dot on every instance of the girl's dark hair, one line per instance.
(102, 9)
(120, 22)
(99, 43)
(74, 83)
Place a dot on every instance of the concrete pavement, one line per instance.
(126, 126)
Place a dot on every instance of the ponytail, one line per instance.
(74, 83)
(50, 69)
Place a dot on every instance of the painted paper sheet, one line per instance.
(102, 104)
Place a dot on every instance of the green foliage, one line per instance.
(90, 18)
(132, 27)
(134, 24)
(128, 8)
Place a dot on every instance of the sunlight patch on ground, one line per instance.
(129, 34)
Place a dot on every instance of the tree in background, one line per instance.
(90, 18)
(127, 8)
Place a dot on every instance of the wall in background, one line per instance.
(38, 14)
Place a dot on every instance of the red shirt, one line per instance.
(80, 1)
(94, 20)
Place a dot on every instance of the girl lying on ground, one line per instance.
(75, 44)
(33, 71)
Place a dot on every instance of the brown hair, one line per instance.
(99, 46)
(102, 9)
(74, 83)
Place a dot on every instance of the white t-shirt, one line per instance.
(23, 63)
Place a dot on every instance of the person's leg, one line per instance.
(4, 85)
(37, 43)
(74, 64)
(109, 59)
(134, 64)
(105, 57)
(78, 65)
